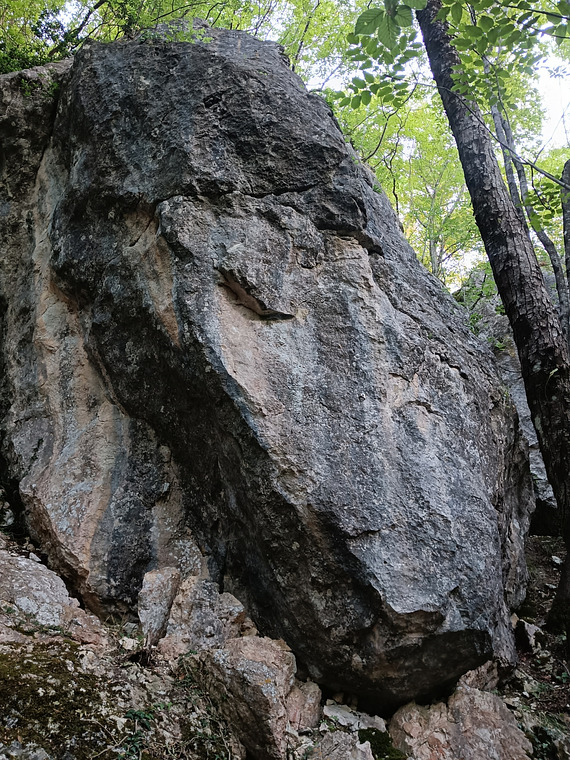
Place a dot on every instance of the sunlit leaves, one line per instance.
(385, 37)
(369, 21)
(403, 16)
(456, 12)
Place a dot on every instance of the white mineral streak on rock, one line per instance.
(351, 719)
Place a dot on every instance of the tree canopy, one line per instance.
(370, 64)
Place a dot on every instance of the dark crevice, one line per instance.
(243, 292)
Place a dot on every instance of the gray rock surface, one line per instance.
(216, 341)
(159, 589)
(34, 597)
(473, 725)
(251, 679)
(492, 326)
(339, 746)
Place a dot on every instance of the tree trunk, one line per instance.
(565, 198)
(541, 346)
(546, 242)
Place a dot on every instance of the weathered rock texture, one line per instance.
(216, 341)
(473, 725)
(492, 325)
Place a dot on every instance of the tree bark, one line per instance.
(546, 242)
(540, 341)
(565, 198)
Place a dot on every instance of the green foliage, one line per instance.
(28, 33)
(492, 38)
(380, 744)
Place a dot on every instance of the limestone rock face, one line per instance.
(252, 678)
(216, 343)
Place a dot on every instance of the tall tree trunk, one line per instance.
(541, 346)
(565, 198)
(546, 242)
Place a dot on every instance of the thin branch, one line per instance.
(481, 121)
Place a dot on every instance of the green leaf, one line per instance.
(366, 97)
(371, 47)
(358, 83)
(462, 44)
(352, 39)
(369, 77)
(486, 23)
(506, 28)
(473, 32)
(403, 16)
(525, 17)
(417, 5)
(388, 32)
(369, 21)
(481, 46)
(456, 12)
(355, 102)
(345, 102)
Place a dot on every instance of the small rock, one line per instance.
(351, 719)
(129, 645)
(528, 636)
(337, 745)
(155, 600)
(304, 706)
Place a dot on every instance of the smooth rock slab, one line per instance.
(216, 340)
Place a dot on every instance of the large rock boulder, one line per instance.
(217, 343)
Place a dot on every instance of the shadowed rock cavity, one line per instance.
(218, 344)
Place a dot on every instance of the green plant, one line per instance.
(380, 744)
(29, 86)
(137, 741)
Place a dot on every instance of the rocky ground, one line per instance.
(72, 688)
(539, 690)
